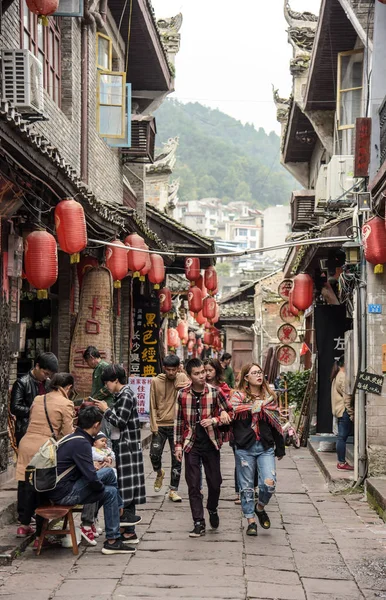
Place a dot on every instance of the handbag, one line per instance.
(42, 472)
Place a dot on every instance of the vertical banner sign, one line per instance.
(141, 388)
(362, 146)
(330, 327)
(145, 361)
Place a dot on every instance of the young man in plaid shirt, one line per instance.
(200, 410)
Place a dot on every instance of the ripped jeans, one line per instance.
(248, 460)
(158, 442)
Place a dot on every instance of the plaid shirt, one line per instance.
(213, 402)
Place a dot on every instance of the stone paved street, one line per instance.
(320, 547)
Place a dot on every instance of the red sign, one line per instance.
(286, 355)
(284, 288)
(362, 146)
(287, 333)
(285, 314)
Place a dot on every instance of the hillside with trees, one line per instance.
(220, 157)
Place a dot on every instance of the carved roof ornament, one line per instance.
(300, 64)
(301, 39)
(292, 16)
(282, 105)
(173, 188)
(165, 161)
(170, 36)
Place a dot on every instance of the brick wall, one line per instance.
(64, 312)
(376, 405)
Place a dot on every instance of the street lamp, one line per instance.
(352, 250)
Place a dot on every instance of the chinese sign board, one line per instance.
(371, 383)
(144, 356)
(141, 389)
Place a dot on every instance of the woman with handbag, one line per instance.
(258, 438)
(51, 415)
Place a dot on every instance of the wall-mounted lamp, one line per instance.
(352, 250)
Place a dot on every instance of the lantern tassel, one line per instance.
(117, 284)
(378, 269)
(75, 258)
(42, 294)
(43, 20)
(156, 286)
(136, 274)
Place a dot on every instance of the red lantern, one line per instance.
(217, 316)
(191, 345)
(201, 320)
(200, 345)
(70, 224)
(208, 338)
(173, 338)
(157, 271)
(116, 261)
(192, 336)
(292, 308)
(165, 300)
(135, 260)
(302, 291)
(209, 308)
(200, 284)
(43, 8)
(182, 329)
(143, 272)
(374, 242)
(41, 261)
(210, 280)
(192, 269)
(195, 300)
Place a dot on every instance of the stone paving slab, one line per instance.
(276, 591)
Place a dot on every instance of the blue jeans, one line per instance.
(344, 430)
(109, 498)
(248, 461)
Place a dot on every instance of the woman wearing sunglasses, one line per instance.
(258, 438)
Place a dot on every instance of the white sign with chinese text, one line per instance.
(141, 389)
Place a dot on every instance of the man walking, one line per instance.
(84, 485)
(93, 359)
(200, 410)
(228, 371)
(163, 395)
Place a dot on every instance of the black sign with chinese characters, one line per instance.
(145, 340)
(371, 383)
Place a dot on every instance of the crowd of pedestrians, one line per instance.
(99, 458)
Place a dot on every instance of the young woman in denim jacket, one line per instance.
(257, 436)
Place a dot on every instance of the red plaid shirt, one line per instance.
(213, 402)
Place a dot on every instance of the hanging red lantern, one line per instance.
(200, 284)
(41, 261)
(217, 316)
(192, 336)
(192, 269)
(208, 338)
(292, 308)
(70, 225)
(374, 242)
(116, 261)
(200, 345)
(145, 270)
(135, 260)
(302, 291)
(200, 319)
(195, 300)
(173, 338)
(43, 8)
(190, 346)
(165, 300)
(182, 329)
(209, 308)
(156, 274)
(210, 280)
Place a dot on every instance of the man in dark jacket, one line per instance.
(84, 485)
(26, 388)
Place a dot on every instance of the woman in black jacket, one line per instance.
(257, 436)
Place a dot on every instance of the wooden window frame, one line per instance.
(344, 90)
(105, 37)
(51, 52)
(121, 74)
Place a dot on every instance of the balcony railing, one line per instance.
(382, 124)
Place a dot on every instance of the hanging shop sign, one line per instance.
(141, 389)
(285, 313)
(371, 383)
(94, 325)
(144, 356)
(362, 146)
(287, 333)
(284, 288)
(286, 355)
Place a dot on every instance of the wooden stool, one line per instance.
(53, 513)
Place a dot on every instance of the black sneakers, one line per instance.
(118, 547)
(126, 520)
(198, 530)
(252, 529)
(214, 519)
(130, 539)
(264, 519)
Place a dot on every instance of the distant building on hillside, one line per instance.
(277, 226)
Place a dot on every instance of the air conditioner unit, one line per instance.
(340, 177)
(321, 190)
(22, 81)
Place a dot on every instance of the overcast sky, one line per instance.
(231, 52)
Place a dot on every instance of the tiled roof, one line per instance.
(238, 310)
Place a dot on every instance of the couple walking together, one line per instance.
(202, 413)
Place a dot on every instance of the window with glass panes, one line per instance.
(44, 43)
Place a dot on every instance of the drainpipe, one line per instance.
(362, 454)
